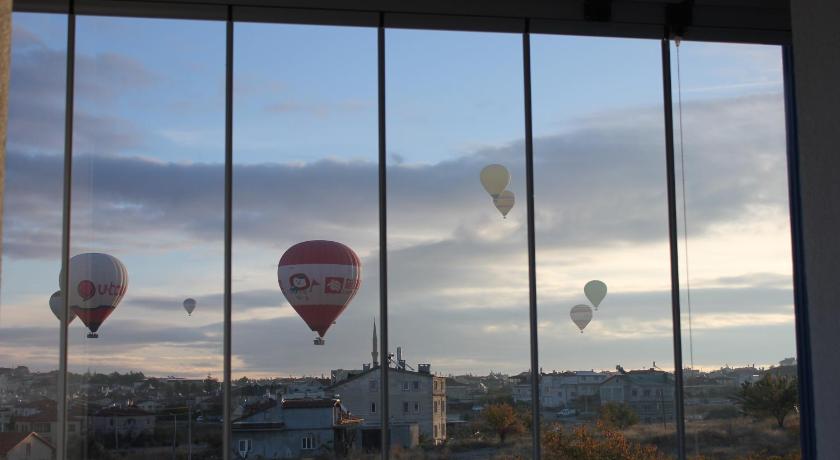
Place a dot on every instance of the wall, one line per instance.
(816, 48)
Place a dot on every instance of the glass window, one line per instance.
(457, 261)
(30, 301)
(603, 270)
(147, 206)
(735, 254)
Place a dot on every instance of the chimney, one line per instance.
(400, 361)
(424, 368)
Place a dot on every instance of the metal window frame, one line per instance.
(632, 19)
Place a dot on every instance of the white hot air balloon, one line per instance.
(495, 179)
(189, 305)
(98, 283)
(504, 202)
(57, 306)
(581, 316)
(595, 291)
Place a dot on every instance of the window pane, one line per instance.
(458, 271)
(148, 190)
(305, 201)
(32, 214)
(737, 296)
(603, 272)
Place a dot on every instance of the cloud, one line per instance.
(37, 97)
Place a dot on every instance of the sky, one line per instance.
(148, 188)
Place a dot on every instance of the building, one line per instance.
(415, 398)
(294, 428)
(125, 422)
(649, 393)
(575, 389)
(41, 419)
(25, 446)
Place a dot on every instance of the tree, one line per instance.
(503, 420)
(771, 396)
(618, 415)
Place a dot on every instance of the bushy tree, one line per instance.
(771, 396)
(502, 420)
(618, 415)
(602, 443)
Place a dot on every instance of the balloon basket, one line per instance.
(318, 341)
(93, 335)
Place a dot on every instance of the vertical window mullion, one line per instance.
(383, 245)
(673, 245)
(226, 388)
(532, 265)
(61, 406)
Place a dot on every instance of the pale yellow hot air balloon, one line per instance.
(495, 179)
(504, 202)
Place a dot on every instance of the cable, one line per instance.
(685, 209)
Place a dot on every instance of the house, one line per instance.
(41, 418)
(415, 398)
(521, 388)
(578, 389)
(294, 428)
(25, 446)
(649, 393)
(126, 422)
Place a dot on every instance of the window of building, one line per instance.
(415, 385)
(373, 408)
(405, 386)
(416, 407)
(405, 407)
(244, 445)
(647, 392)
(307, 442)
(373, 385)
(436, 430)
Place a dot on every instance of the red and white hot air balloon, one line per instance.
(319, 278)
(97, 284)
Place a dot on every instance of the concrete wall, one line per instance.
(816, 48)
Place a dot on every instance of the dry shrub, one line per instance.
(600, 443)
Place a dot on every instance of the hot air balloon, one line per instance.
(189, 305)
(595, 291)
(57, 306)
(581, 316)
(504, 202)
(97, 284)
(495, 179)
(319, 278)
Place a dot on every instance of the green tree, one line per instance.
(771, 396)
(502, 420)
(618, 415)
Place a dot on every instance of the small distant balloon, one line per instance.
(504, 202)
(189, 306)
(495, 179)
(57, 306)
(581, 316)
(595, 291)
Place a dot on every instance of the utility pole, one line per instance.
(174, 433)
(189, 430)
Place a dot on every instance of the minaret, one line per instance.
(374, 354)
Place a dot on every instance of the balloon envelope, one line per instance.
(595, 291)
(504, 202)
(98, 283)
(319, 279)
(57, 306)
(189, 305)
(581, 316)
(495, 178)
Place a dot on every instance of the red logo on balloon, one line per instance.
(86, 289)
